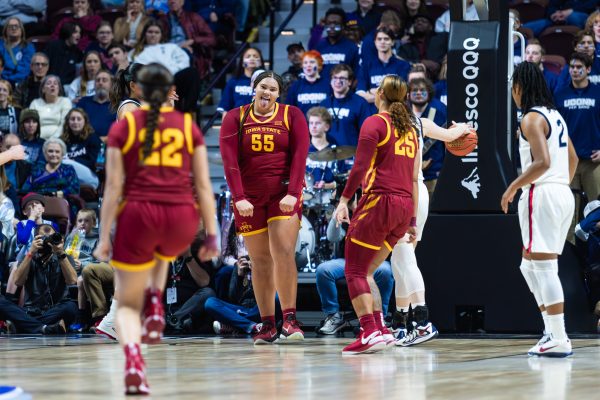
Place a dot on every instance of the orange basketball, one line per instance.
(463, 145)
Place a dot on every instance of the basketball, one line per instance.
(463, 145)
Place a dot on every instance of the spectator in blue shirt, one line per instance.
(372, 72)
(238, 91)
(321, 172)
(567, 12)
(336, 48)
(583, 43)
(97, 106)
(312, 89)
(15, 51)
(29, 133)
(389, 20)
(579, 104)
(348, 110)
(534, 53)
(424, 105)
(367, 15)
(593, 25)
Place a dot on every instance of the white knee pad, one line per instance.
(527, 271)
(549, 286)
(406, 272)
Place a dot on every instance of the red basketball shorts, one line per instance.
(380, 219)
(149, 230)
(266, 209)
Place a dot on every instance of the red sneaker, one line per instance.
(154, 317)
(266, 334)
(291, 330)
(365, 344)
(135, 371)
(388, 337)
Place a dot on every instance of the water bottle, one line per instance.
(75, 246)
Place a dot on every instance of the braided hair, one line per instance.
(394, 90)
(156, 81)
(534, 91)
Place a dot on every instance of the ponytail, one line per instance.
(394, 90)
(402, 118)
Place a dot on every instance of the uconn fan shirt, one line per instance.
(372, 72)
(237, 93)
(347, 116)
(344, 51)
(305, 95)
(564, 78)
(581, 110)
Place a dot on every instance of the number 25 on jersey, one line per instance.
(166, 150)
(405, 146)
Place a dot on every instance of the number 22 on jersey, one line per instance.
(166, 150)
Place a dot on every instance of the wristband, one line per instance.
(210, 242)
(413, 222)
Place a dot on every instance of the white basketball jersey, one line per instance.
(419, 128)
(557, 141)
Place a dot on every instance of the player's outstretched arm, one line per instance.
(434, 131)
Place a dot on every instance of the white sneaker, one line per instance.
(553, 348)
(419, 334)
(106, 327)
(545, 337)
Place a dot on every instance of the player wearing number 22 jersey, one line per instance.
(160, 188)
(264, 163)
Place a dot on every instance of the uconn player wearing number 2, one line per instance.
(548, 161)
(387, 162)
(151, 177)
(264, 147)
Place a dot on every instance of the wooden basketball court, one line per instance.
(88, 367)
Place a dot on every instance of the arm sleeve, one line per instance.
(228, 142)
(299, 143)
(367, 144)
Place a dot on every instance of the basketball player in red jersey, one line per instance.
(387, 162)
(157, 217)
(264, 147)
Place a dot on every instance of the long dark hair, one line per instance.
(394, 90)
(156, 81)
(120, 87)
(141, 44)
(534, 90)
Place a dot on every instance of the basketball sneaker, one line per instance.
(364, 344)
(333, 324)
(135, 371)
(106, 327)
(420, 334)
(291, 330)
(388, 336)
(553, 348)
(545, 337)
(266, 333)
(154, 317)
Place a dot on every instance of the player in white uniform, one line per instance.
(548, 162)
(410, 288)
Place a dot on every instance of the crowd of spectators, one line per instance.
(56, 107)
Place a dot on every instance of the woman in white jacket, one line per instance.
(52, 107)
(152, 48)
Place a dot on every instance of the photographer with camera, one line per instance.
(46, 273)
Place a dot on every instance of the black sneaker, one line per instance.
(333, 324)
(55, 329)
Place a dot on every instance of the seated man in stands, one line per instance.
(46, 273)
(97, 106)
(329, 272)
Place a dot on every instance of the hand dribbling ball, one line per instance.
(463, 145)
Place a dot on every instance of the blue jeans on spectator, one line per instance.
(576, 18)
(333, 270)
(238, 317)
(26, 323)
(221, 280)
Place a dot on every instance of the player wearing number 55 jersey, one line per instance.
(387, 162)
(151, 156)
(264, 147)
(548, 161)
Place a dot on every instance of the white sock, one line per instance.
(402, 309)
(556, 326)
(418, 304)
(545, 317)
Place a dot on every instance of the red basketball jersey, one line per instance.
(166, 175)
(273, 150)
(390, 168)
